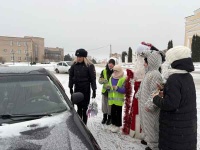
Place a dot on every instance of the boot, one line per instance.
(143, 142)
(104, 119)
(108, 122)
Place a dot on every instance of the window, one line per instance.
(26, 51)
(59, 64)
(19, 58)
(12, 58)
(11, 43)
(25, 58)
(18, 44)
(5, 50)
(69, 63)
(25, 44)
(19, 51)
(11, 51)
(36, 93)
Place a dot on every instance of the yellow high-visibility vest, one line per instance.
(105, 77)
(115, 97)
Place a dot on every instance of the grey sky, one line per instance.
(90, 24)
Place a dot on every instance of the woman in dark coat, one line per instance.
(83, 77)
(178, 115)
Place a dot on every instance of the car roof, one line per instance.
(23, 70)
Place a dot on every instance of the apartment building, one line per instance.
(192, 27)
(54, 54)
(27, 49)
(21, 49)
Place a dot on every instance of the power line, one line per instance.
(93, 48)
(98, 48)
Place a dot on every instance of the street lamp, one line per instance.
(31, 57)
(13, 54)
(27, 54)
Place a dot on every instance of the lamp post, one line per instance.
(13, 54)
(31, 57)
(27, 58)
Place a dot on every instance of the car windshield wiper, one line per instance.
(12, 116)
(59, 111)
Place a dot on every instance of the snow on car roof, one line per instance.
(22, 70)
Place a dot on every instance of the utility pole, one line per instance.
(13, 57)
(110, 51)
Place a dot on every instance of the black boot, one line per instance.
(148, 148)
(104, 119)
(108, 122)
(143, 142)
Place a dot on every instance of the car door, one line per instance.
(59, 67)
(63, 67)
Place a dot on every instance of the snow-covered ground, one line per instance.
(106, 139)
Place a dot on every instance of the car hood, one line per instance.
(62, 131)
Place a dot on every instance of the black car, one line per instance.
(36, 114)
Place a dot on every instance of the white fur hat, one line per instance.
(118, 72)
(141, 48)
(177, 53)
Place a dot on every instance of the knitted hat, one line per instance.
(112, 61)
(81, 53)
(177, 53)
(141, 48)
(118, 72)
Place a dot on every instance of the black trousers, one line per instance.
(82, 113)
(116, 115)
(83, 105)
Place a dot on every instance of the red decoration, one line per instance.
(147, 44)
(127, 117)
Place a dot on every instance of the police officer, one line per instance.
(82, 78)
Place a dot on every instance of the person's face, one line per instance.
(80, 59)
(110, 66)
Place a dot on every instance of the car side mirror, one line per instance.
(77, 97)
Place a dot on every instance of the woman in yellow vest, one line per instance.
(116, 96)
(104, 78)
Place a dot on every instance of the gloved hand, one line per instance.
(115, 88)
(94, 94)
(71, 91)
(108, 87)
(103, 81)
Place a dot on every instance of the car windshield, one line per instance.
(30, 94)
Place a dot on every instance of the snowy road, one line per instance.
(113, 141)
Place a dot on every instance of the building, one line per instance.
(192, 27)
(26, 49)
(117, 58)
(53, 54)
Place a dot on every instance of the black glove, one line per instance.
(71, 91)
(94, 94)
